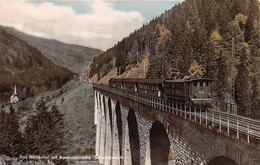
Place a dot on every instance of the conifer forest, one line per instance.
(221, 35)
(43, 134)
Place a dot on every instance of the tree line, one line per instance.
(43, 134)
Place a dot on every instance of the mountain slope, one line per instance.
(222, 36)
(74, 57)
(25, 66)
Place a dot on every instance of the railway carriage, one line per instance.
(151, 87)
(189, 89)
(130, 84)
(112, 82)
(116, 83)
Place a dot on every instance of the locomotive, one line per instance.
(188, 89)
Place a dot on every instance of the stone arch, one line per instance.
(159, 144)
(133, 137)
(224, 150)
(119, 126)
(222, 160)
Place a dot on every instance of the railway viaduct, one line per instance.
(142, 130)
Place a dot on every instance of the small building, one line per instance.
(14, 98)
(86, 79)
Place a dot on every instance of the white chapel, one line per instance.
(14, 98)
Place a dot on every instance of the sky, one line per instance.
(92, 23)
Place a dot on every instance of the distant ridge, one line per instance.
(74, 57)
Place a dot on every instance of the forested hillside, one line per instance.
(74, 57)
(201, 30)
(25, 66)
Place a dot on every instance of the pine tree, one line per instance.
(57, 133)
(243, 86)
(220, 84)
(57, 129)
(43, 132)
(3, 132)
(255, 104)
(14, 134)
(29, 135)
(121, 56)
(252, 37)
(7, 141)
(220, 67)
(252, 23)
(252, 28)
